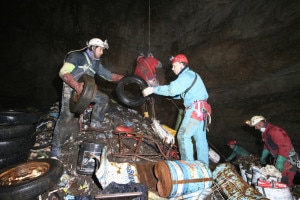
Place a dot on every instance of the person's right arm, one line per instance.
(66, 76)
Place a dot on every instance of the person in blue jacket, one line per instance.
(189, 87)
(77, 63)
(237, 151)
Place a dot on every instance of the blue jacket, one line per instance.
(177, 88)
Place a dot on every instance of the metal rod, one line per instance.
(116, 195)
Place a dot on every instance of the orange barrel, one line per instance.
(232, 185)
(180, 177)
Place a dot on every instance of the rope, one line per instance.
(149, 27)
(173, 103)
(152, 103)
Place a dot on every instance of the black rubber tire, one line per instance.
(13, 159)
(85, 98)
(23, 130)
(12, 117)
(129, 90)
(51, 171)
(18, 145)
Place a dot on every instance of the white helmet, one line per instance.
(255, 119)
(98, 42)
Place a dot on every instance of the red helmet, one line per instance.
(180, 58)
(231, 142)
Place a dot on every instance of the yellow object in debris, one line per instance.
(169, 130)
(146, 115)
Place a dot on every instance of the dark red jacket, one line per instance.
(146, 68)
(277, 141)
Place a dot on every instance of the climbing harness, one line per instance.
(87, 66)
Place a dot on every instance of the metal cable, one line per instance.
(149, 27)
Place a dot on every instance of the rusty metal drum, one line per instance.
(232, 185)
(178, 178)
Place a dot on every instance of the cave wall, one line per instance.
(247, 53)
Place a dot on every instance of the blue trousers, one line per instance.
(192, 128)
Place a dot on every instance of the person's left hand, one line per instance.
(147, 91)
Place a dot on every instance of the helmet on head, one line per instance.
(98, 43)
(231, 142)
(180, 58)
(255, 119)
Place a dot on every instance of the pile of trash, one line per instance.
(141, 145)
(136, 158)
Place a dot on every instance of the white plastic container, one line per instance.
(275, 193)
(213, 156)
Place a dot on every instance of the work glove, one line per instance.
(280, 162)
(147, 91)
(117, 77)
(264, 156)
(69, 79)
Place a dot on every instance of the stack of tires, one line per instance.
(17, 136)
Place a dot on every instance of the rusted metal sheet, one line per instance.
(231, 184)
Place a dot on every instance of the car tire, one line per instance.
(15, 131)
(42, 174)
(79, 104)
(7, 161)
(12, 117)
(129, 90)
(12, 146)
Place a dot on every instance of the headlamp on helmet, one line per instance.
(255, 119)
(98, 43)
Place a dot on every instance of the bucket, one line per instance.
(178, 178)
(86, 162)
(232, 185)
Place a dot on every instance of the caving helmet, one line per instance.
(255, 119)
(98, 43)
(179, 58)
(231, 142)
